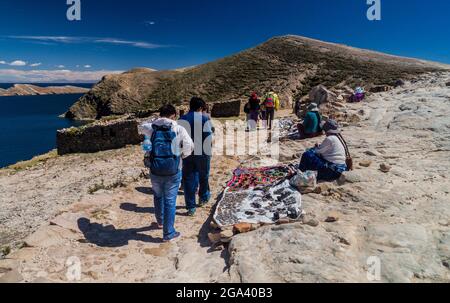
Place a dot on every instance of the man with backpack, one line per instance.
(169, 143)
(196, 167)
(271, 103)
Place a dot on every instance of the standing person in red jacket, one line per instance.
(254, 107)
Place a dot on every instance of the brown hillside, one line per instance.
(290, 65)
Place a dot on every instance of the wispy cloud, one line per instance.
(2, 62)
(36, 64)
(14, 75)
(18, 63)
(149, 23)
(60, 66)
(87, 66)
(79, 40)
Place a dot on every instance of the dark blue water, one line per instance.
(28, 125)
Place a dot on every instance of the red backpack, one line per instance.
(269, 102)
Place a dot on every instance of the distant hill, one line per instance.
(33, 90)
(290, 65)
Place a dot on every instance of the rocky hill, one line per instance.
(33, 90)
(291, 65)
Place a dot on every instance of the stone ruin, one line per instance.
(226, 109)
(98, 136)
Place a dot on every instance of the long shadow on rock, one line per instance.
(203, 238)
(149, 191)
(206, 228)
(132, 207)
(109, 236)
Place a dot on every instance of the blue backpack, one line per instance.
(163, 161)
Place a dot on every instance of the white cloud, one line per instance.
(36, 64)
(148, 23)
(127, 42)
(69, 40)
(2, 62)
(18, 63)
(87, 66)
(60, 66)
(14, 75)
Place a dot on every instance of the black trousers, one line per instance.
(270, 116)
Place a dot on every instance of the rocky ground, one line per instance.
(394, 207)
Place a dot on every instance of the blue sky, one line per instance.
(38, 43)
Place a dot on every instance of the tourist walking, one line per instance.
(196, 167)
(165, 145)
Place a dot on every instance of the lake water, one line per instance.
(28, 125)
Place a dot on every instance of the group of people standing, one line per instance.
(180, 153)
(261, 109)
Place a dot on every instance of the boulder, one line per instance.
(242, 228)
(380, 88)
(98, 137)
(226, 109)
(321, 95)
(399, 83)
(332, 217)
(385, 168)
(365, 163)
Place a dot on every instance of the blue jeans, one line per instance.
(165, 192)
(327, 171)
(196, 171)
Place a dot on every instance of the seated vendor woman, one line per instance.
(310, 128)
(328, 158)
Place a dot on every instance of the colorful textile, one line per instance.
(245, 178)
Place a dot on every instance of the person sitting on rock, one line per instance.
(311, 126)
(358, 95)
(329, 158)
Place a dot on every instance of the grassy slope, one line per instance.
(290, 65)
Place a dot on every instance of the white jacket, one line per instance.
(187, 146)
(332, 150)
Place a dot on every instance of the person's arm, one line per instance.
(147, 129)
(187, 144)
(277, 102)
(324, 147)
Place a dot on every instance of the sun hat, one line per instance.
(331, 127)
(313, 107)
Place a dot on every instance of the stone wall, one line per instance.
(226, 109)
(98, 137)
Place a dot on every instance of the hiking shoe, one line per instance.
(203, 203)
(191, 212)
(176, 236)
(157, 225)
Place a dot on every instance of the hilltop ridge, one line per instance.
(290, 65)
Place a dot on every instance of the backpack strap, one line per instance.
(347, 152)
(348, 160)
